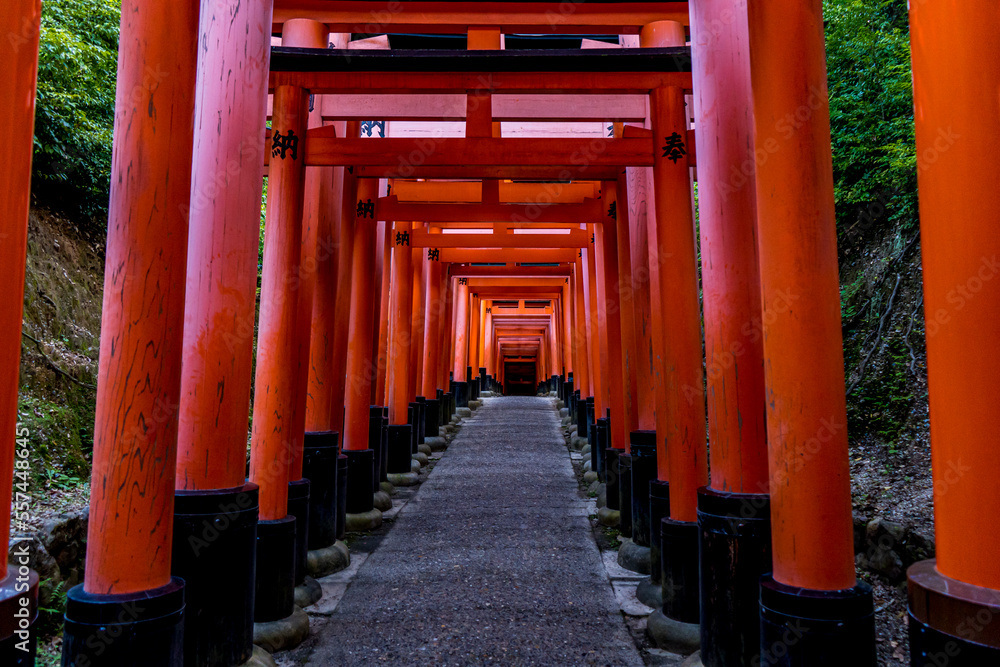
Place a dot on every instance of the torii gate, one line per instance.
(778, 443)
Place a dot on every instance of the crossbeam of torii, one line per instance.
(548, 17)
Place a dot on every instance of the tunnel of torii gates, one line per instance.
(513, 221)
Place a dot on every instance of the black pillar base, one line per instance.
(421, 423)
(449, 407)
(359, 481)
(809, 628)
(461, 394)
(215, 552)
(341, 496)
(601, 450)
(625, 494)
(19, 610)
(413, 420)
(659, 509)
(143, 628)
(375, 442)
(319, 466)
(643, 451)
(483, 384)
(298, 507)
(399, 449)
(735, 552)
(612, 479)
(275, 589)
(679, 560)
(951, 622)
(432, 417)
(384, 470)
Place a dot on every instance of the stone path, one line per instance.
(492, 562)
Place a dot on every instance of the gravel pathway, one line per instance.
(492, 562)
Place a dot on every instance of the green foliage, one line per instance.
(882, 402)
(871, 113)
(60, 440)
(74, 117)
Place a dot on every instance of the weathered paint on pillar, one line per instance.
(380, 282)
(665, 33)
(317, 183)
(728, 222)
(810, 486)
(683, 396)
(419, 261)
(632, 359)
(461, 330)
(581, 374)
(277, 346)
(138, 387)
(348, 204)
(433, 316)
(385, 244)
(220, 306)
(956, 76)
(17, 118)
(401, 310)
(357, 391)
(608, 289)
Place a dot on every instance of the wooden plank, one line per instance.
(531, 255)
(590, 211)
(547, 17)
(403, 154)
(506, 108)
(587, 71)
(575, 239)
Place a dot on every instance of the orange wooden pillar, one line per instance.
(474, 320)
(278, 417)
(138, 392)
(625, 294)
(733, 511)
(385, 244)
(218, 333)
(17, 117)
(812, 538)
(461, 343)
(327, 206)
(955, 601)
(608, 250)
(345, 252)
(490, 341)
(419, 261)
(357, 393)
(398, 382)
(677, 335)
(633, 213)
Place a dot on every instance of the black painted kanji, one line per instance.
(613, 210)
(433, 254)
(674, 148)
(402, 238)
(366, 209)
(280, 144)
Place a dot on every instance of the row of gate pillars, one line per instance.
(751, 539)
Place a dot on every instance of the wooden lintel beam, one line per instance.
(466, 271)
(403, 154)
(531, 255)
(506, 108)
(422, 239)
(572, 71)
(589, 211)
(548, 17)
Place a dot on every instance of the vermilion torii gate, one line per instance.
(398, 264)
